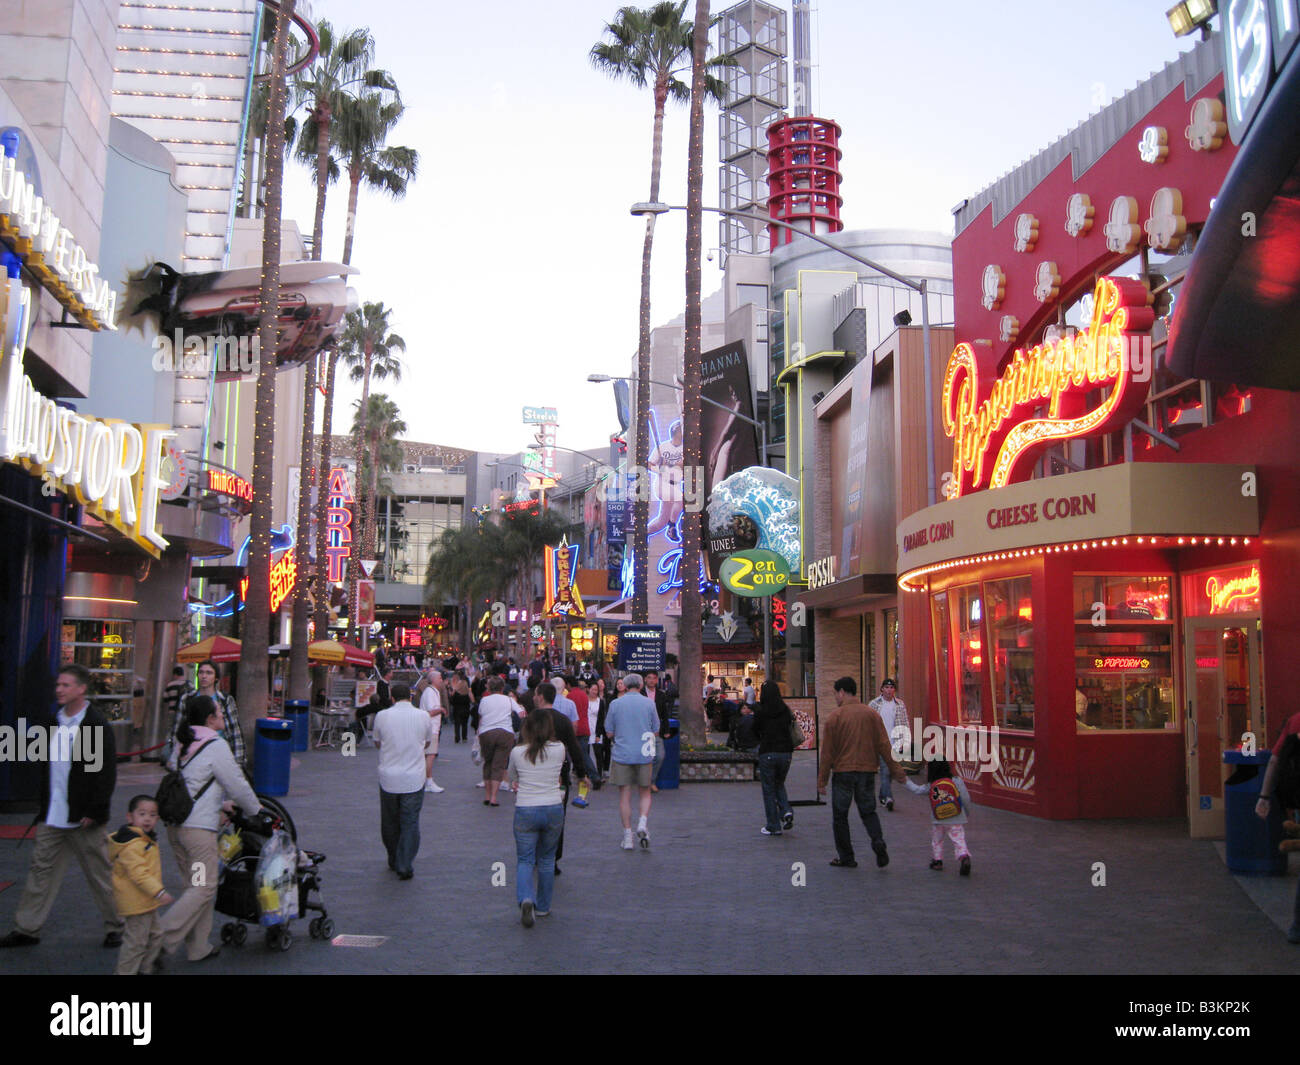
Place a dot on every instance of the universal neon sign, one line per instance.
(1001, 415)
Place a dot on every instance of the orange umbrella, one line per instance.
(216, 648)
(336, 653)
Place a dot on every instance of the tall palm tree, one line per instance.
(649, 47)
(378, 449)
(526, 534)
(257, 611)
(366, 345)
(363, 125)
(691, 648)
(342, 69)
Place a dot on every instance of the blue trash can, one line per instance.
(1251, 844)
(670, 772)
(272, 751)
(296, 710)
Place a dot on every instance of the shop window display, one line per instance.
(1008, 608)
(1123, 654)
(107, 649)
(942, 642)
(972, 653)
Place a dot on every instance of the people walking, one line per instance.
(432, 704)
(460, 707)
(893, 715)
(496, 737)
(77, 780)
(772, 719)
(663, 708)
(949, 812)
(404, 735)
(854, 742)
(534, 767)
(138, 890)
(544, 696)
(212, 778)
(209, 677)
(631, 725)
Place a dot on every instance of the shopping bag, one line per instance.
(277, 883)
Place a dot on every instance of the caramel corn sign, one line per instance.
(1070, 387)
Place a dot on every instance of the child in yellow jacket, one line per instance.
(137, 886)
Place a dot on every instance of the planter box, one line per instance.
(698, 766)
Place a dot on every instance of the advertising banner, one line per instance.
(855, 472)
(728, 442)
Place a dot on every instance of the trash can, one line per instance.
(296, 710)
(670, 772)
(272, 751)
(1251, 844)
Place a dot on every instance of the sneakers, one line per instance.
(937, 863)
(965, 865)
(480, 784)
(541, 913)
(767, 832)
(787, 822)
(505, 785)
(19, 939)
(889, 805)
(526, 913)
(430, 786)
(882, 855)
(627, 843)
(643, 834)
(844, 863)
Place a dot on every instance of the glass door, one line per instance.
(1224, 708)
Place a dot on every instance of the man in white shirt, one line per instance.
(431, 704)
(77, 779)
(405, 736)
(892, 713)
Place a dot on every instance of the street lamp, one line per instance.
(920, 286)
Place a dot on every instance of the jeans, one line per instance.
(886, 785)
(659, 760)
(584, 742)
(846, 789)
(460, 722)
(399, 827)
(772, 770)
(537, 834)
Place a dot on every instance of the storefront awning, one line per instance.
(851, 590)
(1237, 317)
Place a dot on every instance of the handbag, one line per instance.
(175, 804)
(797, 738)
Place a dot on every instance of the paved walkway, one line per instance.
(712, 895)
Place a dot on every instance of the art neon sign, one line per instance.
(338, 523)
(1001, 416)
(1222, 596)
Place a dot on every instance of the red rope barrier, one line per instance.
(146, 750)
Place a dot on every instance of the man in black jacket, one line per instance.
(544, 702)
(77, 779)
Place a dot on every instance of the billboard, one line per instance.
(728, 442)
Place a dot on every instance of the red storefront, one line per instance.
(1110, 580)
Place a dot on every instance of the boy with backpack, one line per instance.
(137, 886)
(949, 810)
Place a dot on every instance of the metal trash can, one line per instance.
(1251, 844)
(670, 772)
(297, 711)
(272, 753)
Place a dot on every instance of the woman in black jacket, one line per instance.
(772, 724)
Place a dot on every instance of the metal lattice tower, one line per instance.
(802, 59)
(754, 34)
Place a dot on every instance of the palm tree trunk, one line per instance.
(691, 647)
(354, 184)
(257, 616)
(299, 685)
(321, 583)
(322, 176)
(353, 561)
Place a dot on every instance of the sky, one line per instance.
(512, 265)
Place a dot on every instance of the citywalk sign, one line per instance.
(998, 421)
(111, 467)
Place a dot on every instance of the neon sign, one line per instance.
(230, 484)
(1121, 662)
(1222, 596)
(562, 595)
(986, 415)
(281, 540)
(338, 523)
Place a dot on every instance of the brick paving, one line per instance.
(712, 895)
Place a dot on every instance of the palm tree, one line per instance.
(379, 451)
(526, 534)
(651, 47)
(340, 70)
(363, 125)
(465, 568)
(691, 647)
(370, 349)
(257, 612)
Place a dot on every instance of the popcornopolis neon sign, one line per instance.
(986, 413)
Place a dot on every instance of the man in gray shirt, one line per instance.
(404, 735)
(632, 724)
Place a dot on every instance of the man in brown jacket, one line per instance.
(854, 743)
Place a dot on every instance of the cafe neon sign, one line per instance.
(998, 420)
(1222, 596)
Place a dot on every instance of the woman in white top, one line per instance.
(539, 813)
(212, 778)
(496, 735)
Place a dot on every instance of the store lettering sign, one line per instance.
(1051, 510)
(998, 421)
(48, 250)
(755, 574)
(822, 573)
(338, 523)
(1223, 595)
(934, 533)
(111, 467)
(1121, 662)
(230, 484)
(562, 595)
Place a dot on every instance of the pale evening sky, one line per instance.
(513, 266)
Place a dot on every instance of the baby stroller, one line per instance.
(237, 888)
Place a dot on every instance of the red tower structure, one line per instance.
(803, 176)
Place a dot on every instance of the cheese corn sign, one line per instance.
(111, 467)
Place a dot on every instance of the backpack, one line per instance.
(945, 799)
(1287, 788)
(173, 797)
